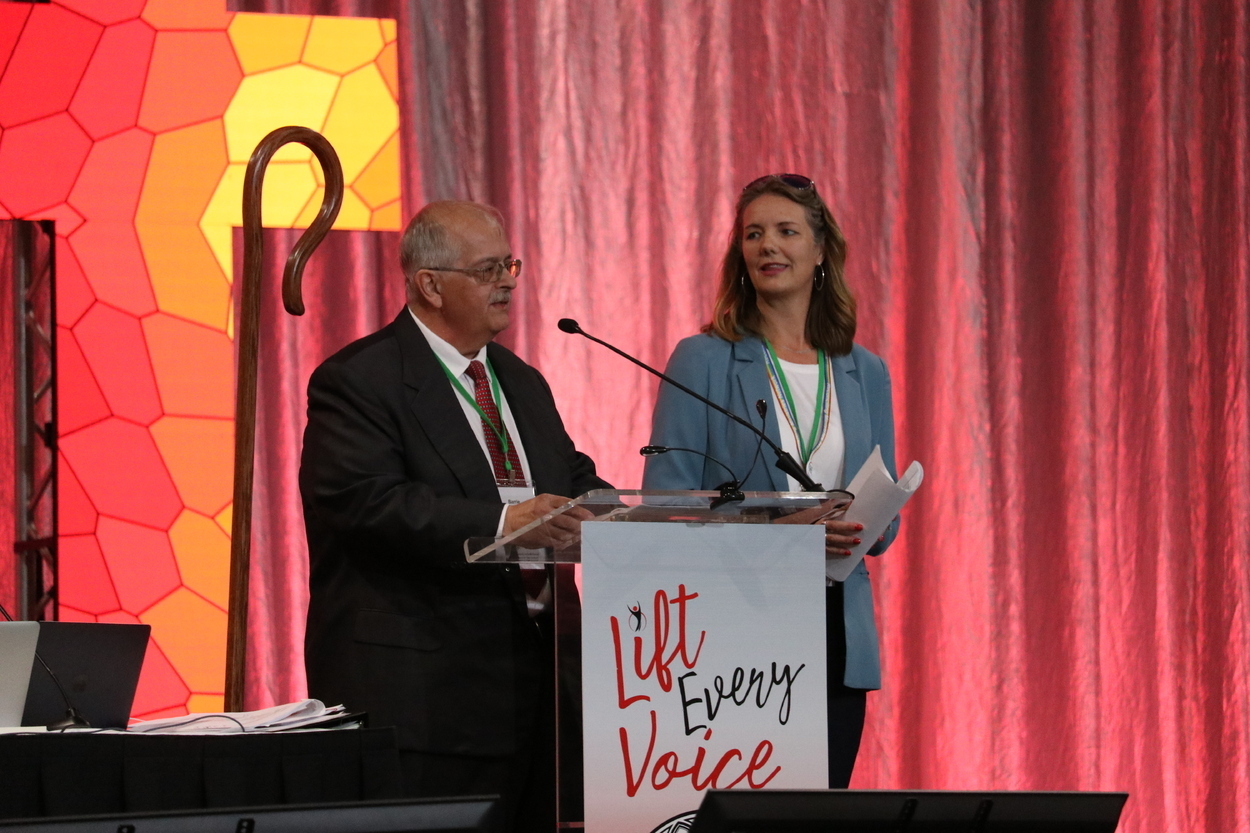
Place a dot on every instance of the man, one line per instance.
(418, 436)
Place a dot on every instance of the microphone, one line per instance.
(730, 490)
(784, 461)
(73, 718)
(761, 408)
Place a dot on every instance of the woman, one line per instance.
(783, 331)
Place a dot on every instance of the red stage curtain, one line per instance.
(1047, 210)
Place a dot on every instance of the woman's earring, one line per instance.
(742, 281)
(819, 281)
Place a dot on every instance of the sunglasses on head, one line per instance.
(796, 181)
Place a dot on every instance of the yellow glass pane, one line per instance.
(389, 29)
(202, 551)
(288, 185)
(225, 518)
(353, 214)
(342, 44)
(295, 95)
(268, 41)
(206, 703)
(363, 117)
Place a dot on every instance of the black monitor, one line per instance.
(907, 811)
(440, 815)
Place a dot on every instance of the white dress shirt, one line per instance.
(459, 367)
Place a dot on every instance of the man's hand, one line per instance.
(561, 529)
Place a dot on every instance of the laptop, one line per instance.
(17, 657)
(97, 666)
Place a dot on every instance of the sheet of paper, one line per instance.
(877, 500)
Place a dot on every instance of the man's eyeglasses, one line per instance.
(796, 181)
(486, 274)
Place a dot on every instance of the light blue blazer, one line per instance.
(735, 376)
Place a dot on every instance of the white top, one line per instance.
(828, 459)
(459, 367)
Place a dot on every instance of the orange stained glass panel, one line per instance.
(105, 11)
(112, 343)
(182, 173)
(140, 560)
(80, 402)
(113, 262)
(110, 92)
(39, 162)
(75, 514)
(387, 218)
(122, 472)
(160, 687)
(48, 31)
(73, 294)
(377, 184)
(194, 367)
(199, 652)
(84, 576)
(185, 275)
(199, 454)
(187, 14)
(111, 180)
(388, 65)
(201, 547)
(192, 77)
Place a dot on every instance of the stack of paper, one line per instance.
(299, 715)
(877, 500)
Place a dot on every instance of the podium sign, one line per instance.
(703, 653)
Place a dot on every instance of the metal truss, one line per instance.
(35, 424)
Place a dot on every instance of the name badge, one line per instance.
(513, 495)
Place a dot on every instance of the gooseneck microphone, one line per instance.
(730, 490)
(785, 462)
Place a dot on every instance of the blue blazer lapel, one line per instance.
(752, 386)
(856, 429)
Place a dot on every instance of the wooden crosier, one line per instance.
(247, 325)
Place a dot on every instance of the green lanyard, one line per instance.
(805, 448)
(494, 386)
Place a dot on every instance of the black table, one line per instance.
(83, 774)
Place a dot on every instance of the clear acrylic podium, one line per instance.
(683, 509)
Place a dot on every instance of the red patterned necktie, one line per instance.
(481, 392)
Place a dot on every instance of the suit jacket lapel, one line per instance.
(752, 386)
(434, 403)
(856, 429)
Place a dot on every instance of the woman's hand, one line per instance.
(840, 535)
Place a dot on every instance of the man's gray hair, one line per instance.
(427, 242)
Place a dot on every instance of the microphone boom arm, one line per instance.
(785, 461)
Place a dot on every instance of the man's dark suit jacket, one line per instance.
(393, 482)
